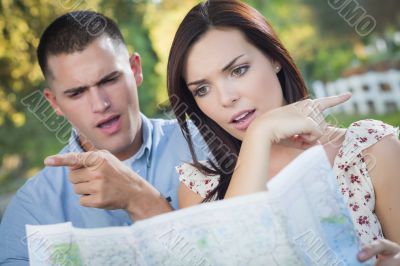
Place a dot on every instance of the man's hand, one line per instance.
(103, 181)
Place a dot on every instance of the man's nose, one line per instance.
(99, 100)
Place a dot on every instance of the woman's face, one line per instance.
(231, 80)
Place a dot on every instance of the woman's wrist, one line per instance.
(261, 130)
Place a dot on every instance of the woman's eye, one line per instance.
(239, 71)
(201, 91)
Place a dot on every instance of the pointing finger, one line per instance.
(76, 160)
(331, 101)
(69, 159)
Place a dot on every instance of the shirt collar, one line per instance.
(74, 144)
(145, 149)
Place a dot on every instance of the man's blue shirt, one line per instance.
(49, 198)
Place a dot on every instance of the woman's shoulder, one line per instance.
(195, 180)
(372, 127)
(362, 134)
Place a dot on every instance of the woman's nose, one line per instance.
(228, 96)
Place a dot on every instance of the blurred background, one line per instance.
(340, 45)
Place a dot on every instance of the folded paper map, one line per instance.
(300, 220)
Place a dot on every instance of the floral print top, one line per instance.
(350, 168)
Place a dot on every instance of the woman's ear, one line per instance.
(136, 66)
(277, 67)
(51, 98)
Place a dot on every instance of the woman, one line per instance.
(231, 75)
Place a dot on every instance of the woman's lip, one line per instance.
(238, 114)
(245, 123)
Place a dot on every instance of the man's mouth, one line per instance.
(110, 125)
(108, 122)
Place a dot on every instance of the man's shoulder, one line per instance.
(167, 133)
(165, 130)
(166, 125)
(169, 129)
(49, 180)
(39, 201)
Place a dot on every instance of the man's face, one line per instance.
(96, 90)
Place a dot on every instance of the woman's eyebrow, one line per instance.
(196, 82)
(231, 63)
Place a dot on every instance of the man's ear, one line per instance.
(51, 98)
(136, 66)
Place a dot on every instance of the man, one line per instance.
(93, 83)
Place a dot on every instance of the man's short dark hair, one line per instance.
(73, 32)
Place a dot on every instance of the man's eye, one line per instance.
(75, 94)
(201, 91)
(111, 80)
(239, 71)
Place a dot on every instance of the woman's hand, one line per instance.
(302, 119)
(387, 251)
(299, 124)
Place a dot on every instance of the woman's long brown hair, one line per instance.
(223, 14)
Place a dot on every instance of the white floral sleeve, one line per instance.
(195, 180)
(351, 170)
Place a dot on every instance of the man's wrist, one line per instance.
(147, 202)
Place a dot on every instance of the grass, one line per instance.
(344, 120)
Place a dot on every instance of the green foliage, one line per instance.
(330, 16)
(343, 120)
(24, 141)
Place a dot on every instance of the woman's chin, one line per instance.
(238, 135)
